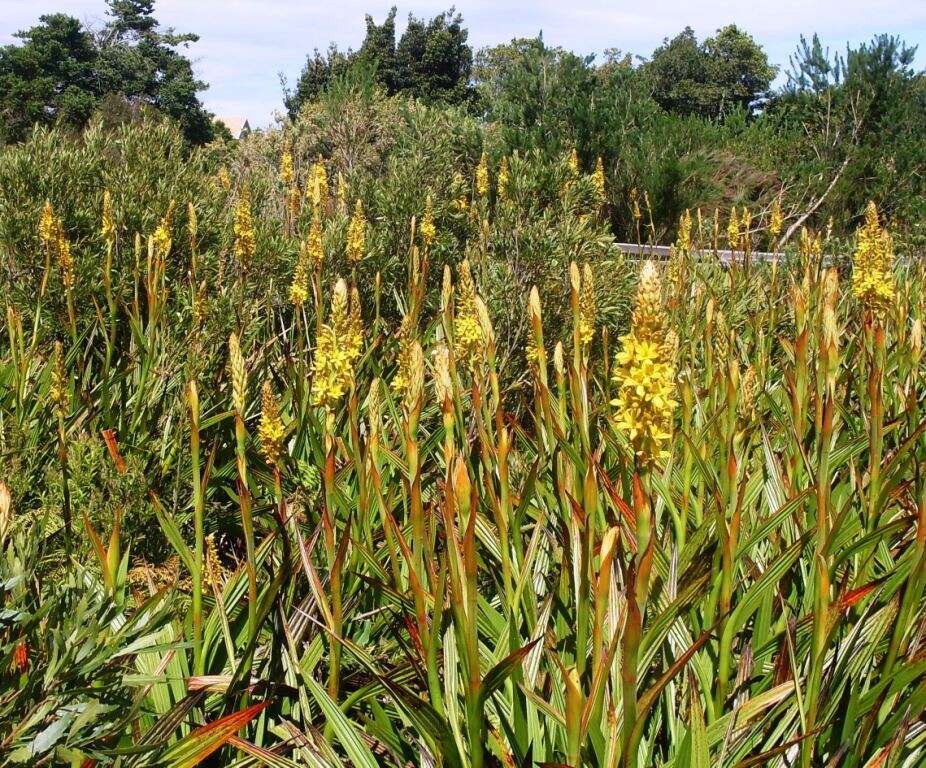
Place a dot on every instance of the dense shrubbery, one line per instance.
(358, 441)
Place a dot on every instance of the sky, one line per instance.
(246, 44)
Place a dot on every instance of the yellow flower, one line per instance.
(47, 225)
(733, 230)
(294, 201)
(319, 185)
(200, 305)
(502, 180)
(873, 264)
(287, 172)
(588, 308)
(810, 246)
(428, 230)
(244, 229)
(598, 179)
(342, 193)
(337, 346)
(482, 176)
(331, 370)
(239, 375)
(162, 233)
(353, 326)
(683, 242)
(299, 288)
(648, 320)
(65, 260)
(224, 179)
(192, 225)
(645, 374)
(776, 221)
(270, 432)
(746, 222)
(467, 331)
(215, 574)
(314, 246)
(573, 161)
(108, 227)
(356, 234)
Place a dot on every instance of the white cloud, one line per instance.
(245, 43)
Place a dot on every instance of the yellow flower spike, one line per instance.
(342, 194)
(776, 222)
(299, 288)
(47, 223)
(873, 264)
(482, 176)
(192, 226)
(598, 179)
(270, 432)
(683, 241)
(733, 230)
(215, 574)
(162, 233)
(467, 332)
(414, 392)
(200, 305)
(443, 383)
(748, 390)
(573, 162)
(356, 234)
(244, 229)
(588, 307)
(353, 328)
(314, 246)
(239, 375)
(287, 172)
(108, 221)
(644, 374)
(319, 185)
(428, 229)
(502, 181)
(332, 367)
(224, 179)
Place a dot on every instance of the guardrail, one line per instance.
(725, 256)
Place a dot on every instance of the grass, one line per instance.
(396, 555)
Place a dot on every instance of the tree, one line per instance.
(144, 64)
(317, 74)
(725, 72)
(432, 61)
(379, 50)
(61, 73)
(860, 121)
(49, 79)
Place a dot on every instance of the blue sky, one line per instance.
(245, 44)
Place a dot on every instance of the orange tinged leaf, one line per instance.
(199, 744)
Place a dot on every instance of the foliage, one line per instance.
(726, 72)
(432, 61)
(61, 73)
(50, 77)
